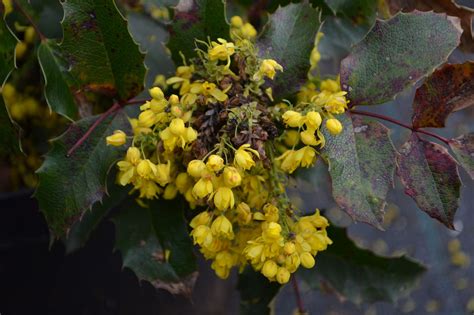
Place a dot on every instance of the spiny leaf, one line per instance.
(256, 292)
(397, 53)
(100, 52)
(447, 90)
(358, 274)
(463, 148)
(57, 80)
(361, 12)
(71, 185)
(361, 164)
(288, 38)
(9, 142)
(450, 7)
(145, 235)
(196, 19)
(430, 176)
(7, 51)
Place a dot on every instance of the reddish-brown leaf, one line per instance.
(446, 6)
(430, 176)
(447, 90)
(463, 148)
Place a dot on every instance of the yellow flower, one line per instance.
(224, 198)
(231, 176)
(244, 215)
(336, 103)
(177, 127)
(292, 262)
(147, 119)
(117, 139)
(163, 173)
(202, 235)
(148, 189)
(267, 68)
(330, 85)
(334, 126)
(313, 120)
(147, 169)
(292, 137)
(236, 21)
(222, 227)
(308, 137)
(133, 155)
(269, 269)
(271, 212)
(203, 218)
(208, 89)
(215, 163)
(170, 192)
(196, 168)
(293, 119)
(272, 230)
(308, 155)
(190, 135)
(307, 260)
(202, 188)
(221, 51)
(289, 248)
(156, 93)
(183, 182)
(283, 275)
(291, 159)
(243, 158)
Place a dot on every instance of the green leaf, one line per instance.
(463, 148)
(82, 229)
(447, 90)
(361, 11)
(196, 19)
(10, 143)
(395, 54)
(361, 164)
(430, 176)
(7, 52)
(99, 50)
(68, 186)
(256, 292)
(358, 274)
(288, 38)
(57, 80)
(144, 234)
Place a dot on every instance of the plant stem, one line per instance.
(137, 101)
(397, 122)
(28, 17)
(299, 300)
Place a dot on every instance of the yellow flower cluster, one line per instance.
(213, 143)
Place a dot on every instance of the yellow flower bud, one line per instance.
(292, 262)
(224, 198)
(289, 248)
(174, 99)
(20, 50)
(203, 218)
(196, 168)
(308, 137)
(283, 275)
(147, 118)
(146, 169)
(176, 111)
(269, 269)
(268, 68)
(307, 260)
(293, 119)
(236, 21)
(313, 120)
(231, 176)
(215, 163)
(202, 235)
(157, 106)
(133, 155)
(244, 215)
(202, 188)
(271, 212)
(334, 126)
(243, 158)
(156, 93)
(183, 182)
(30, 34)
(117, 139)
(177, 127)
(292, 137)
(272, 230)
(330, 85)
(163, 173)
(191, 134)
(222, 227)
(170, 192)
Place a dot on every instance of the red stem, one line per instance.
(28, 17)
(104, 115)
(397, 122)
(299, 300)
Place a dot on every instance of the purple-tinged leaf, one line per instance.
(463, 148)
(430, 176)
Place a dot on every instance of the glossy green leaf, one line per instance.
(361, 164)
(256, 292)
(68, 186)
(7, 52)
(145, 235)
(463, 148)
(99, 50)
(288, 38)
(358, 274)
(57, 80)
(9, 142)
(430, 176)
(196, 19)
(396, 53)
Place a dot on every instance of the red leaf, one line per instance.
(447, 90)
(430, 176)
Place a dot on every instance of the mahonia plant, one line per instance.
(194, 145)
(227, 147)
